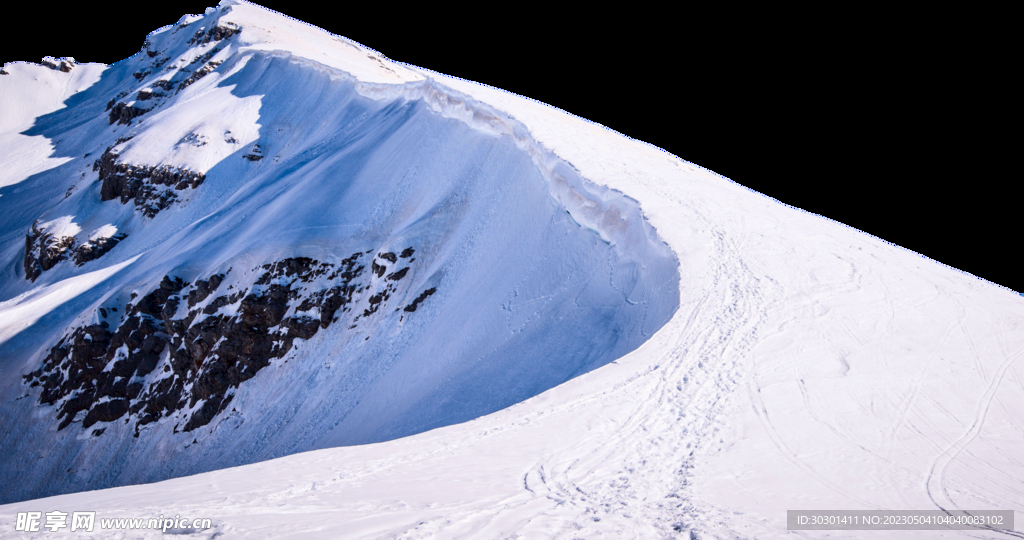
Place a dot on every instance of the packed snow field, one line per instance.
(803, 364)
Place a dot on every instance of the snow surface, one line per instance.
(539, 275)
(808, 366)
(25, 155)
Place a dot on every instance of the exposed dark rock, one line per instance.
(217, 33)
(140, 183)
(139, 75)
(407, 252)
(256, 154)
(419, 299)
(43, 251)
(388, 257)
(124, 114)
(203, 288)
(94, 249)
(198, 74)
(164, 84)
(395, 276)
(108, 374)
(61, 64)
(146, 94)
(206, 57)
(3, 72)
(107, 411)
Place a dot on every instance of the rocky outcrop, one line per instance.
(198, 74)
(123, 113)
(206, 57)
(419, 299)
(182, 349)
(142, 183)
(255, 154)
(164, 84)
(219, 32)
(43, 250)
(65, 64)
(147, 94)
(94, 249)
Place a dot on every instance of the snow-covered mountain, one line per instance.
(254, 238)
(244, 247)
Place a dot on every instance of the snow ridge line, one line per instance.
(691, 164)
(601, 213)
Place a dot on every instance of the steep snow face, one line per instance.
(254, 239)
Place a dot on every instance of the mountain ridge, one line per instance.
(266, 204)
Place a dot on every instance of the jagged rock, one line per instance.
(164, 84)
(217, 33)
(419, 299)
(206, 57)
(94, 249)
(146, 94)
(124, 114)
(109, 374)
(255, 154)
(43, 251)
(65, 64)
(140, 183)
(198, 74)
(203, 288)
(395, 276)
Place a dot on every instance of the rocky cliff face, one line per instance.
(181, 350)
(44, 250)
(141, 184)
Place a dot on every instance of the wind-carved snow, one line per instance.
(481, 268)
(809, 365)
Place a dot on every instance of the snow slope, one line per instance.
(808, 366)
(276, 242)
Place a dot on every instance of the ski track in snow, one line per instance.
(809, 366)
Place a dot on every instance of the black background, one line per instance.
(892, 125)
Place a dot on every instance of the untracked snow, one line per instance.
(808, 365)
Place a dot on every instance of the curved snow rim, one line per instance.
(461, 106)
(690, 164)
(581, 198)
